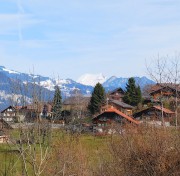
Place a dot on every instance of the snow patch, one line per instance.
(62, 81)
(10, 71)
(48, 84)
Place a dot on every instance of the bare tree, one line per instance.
(157, 69)
(166, 70)
(34, 139)
(158, 72)
(174, 78)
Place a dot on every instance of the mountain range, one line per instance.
(21, 87)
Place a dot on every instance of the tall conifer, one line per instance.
(98, 99)
(57, 104)
(133, 93)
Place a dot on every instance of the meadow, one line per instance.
(139, 152)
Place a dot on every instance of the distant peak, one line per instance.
(92, 79)
(112, 78)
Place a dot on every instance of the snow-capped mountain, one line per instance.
(66, 85)
(19, 87)
(114, 82)
(92, 79)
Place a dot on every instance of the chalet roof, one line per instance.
(9, 107)
(159, 108)
(161, 86)
(121, 104)
(115, 90)
(165, 110)
(114, 110)
(17, 107)
(31, 107)
(28, 107)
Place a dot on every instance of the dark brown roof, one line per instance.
(158, 87)
(121, 104)
(159, 108)
(165, 110)
(9, 107)
(117, 90)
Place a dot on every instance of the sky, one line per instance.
(71, 38)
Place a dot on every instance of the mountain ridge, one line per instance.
(10, 79)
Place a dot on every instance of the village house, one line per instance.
(34, 112)
(115, 99)
(165, 91)
(153, 115)
(75, 106)
(9, 114)
(73, 102)
(109, 117)
(121, 106)
(26, 113)
(116, 94)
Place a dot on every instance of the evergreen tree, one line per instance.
(98, 99)
(138, 95)
(57, 104)
(133, 94)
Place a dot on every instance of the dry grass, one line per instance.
(142, 151)
(150, 151)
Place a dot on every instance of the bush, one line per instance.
(150, 151)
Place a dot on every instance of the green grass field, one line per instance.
(71, 146)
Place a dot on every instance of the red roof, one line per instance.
(164, 109)
(121, 114)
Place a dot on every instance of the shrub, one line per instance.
(150, 151)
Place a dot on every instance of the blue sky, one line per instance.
(71, 38)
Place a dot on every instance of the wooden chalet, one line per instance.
(112, 116)
(116, 94)
(154, 115)
(121, 106)
(115, 99)
(34, 112)
(9, 114)
(75, 105)
(26, 113)
(164, 91)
